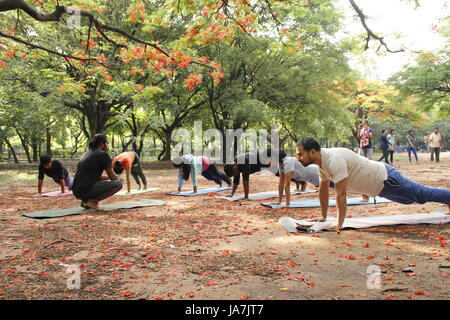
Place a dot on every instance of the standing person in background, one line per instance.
(89, 185)
(55, 170)
(426, 140)
(411, 146)
(365, 139)
(384, 146)
(392, 138)
(365, 145)
(436, 143)
(130, 161)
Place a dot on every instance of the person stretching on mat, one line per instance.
(247, 163)
(130, 161)
(292, 169)
(299, 185)
(189, 165)
(353, 172)
(55, 170)
(88, 184)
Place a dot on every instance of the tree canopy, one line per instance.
(140, 69)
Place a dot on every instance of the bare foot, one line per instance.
(83, 204)
(93, 205)
(365, 199)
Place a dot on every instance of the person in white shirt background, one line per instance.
(435, 144)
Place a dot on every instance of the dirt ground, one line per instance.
(207, 248)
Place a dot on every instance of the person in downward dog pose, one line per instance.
(130, 161)
(189, 165)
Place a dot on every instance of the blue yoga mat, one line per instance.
(316, 203)
(199, 192)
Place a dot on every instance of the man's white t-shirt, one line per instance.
(308, 174)
(364, 176)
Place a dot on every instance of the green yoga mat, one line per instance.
(134, 191)
(48, 214)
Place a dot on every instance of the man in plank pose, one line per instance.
(292, 170)
(246, 164)
(55, 170)
(130, 161)
(353, 172)
(89, 185)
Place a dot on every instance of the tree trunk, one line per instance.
(227, 152)
(11, 149)
(48, 134)
(167, 145)
(34, 148)
(24, 146)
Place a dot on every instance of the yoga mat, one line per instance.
(199, 192)
(107, 207)
(294, 225)
(135, 191)
(315, 203)
(264, 195)
(54, 194)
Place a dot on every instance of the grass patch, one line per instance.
(13, 176)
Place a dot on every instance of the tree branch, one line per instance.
(370, 33)
(5, 35)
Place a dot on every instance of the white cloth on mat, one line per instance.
(291, 224)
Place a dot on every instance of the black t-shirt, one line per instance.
(57, 172)
(248, 163)
(89, 170)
